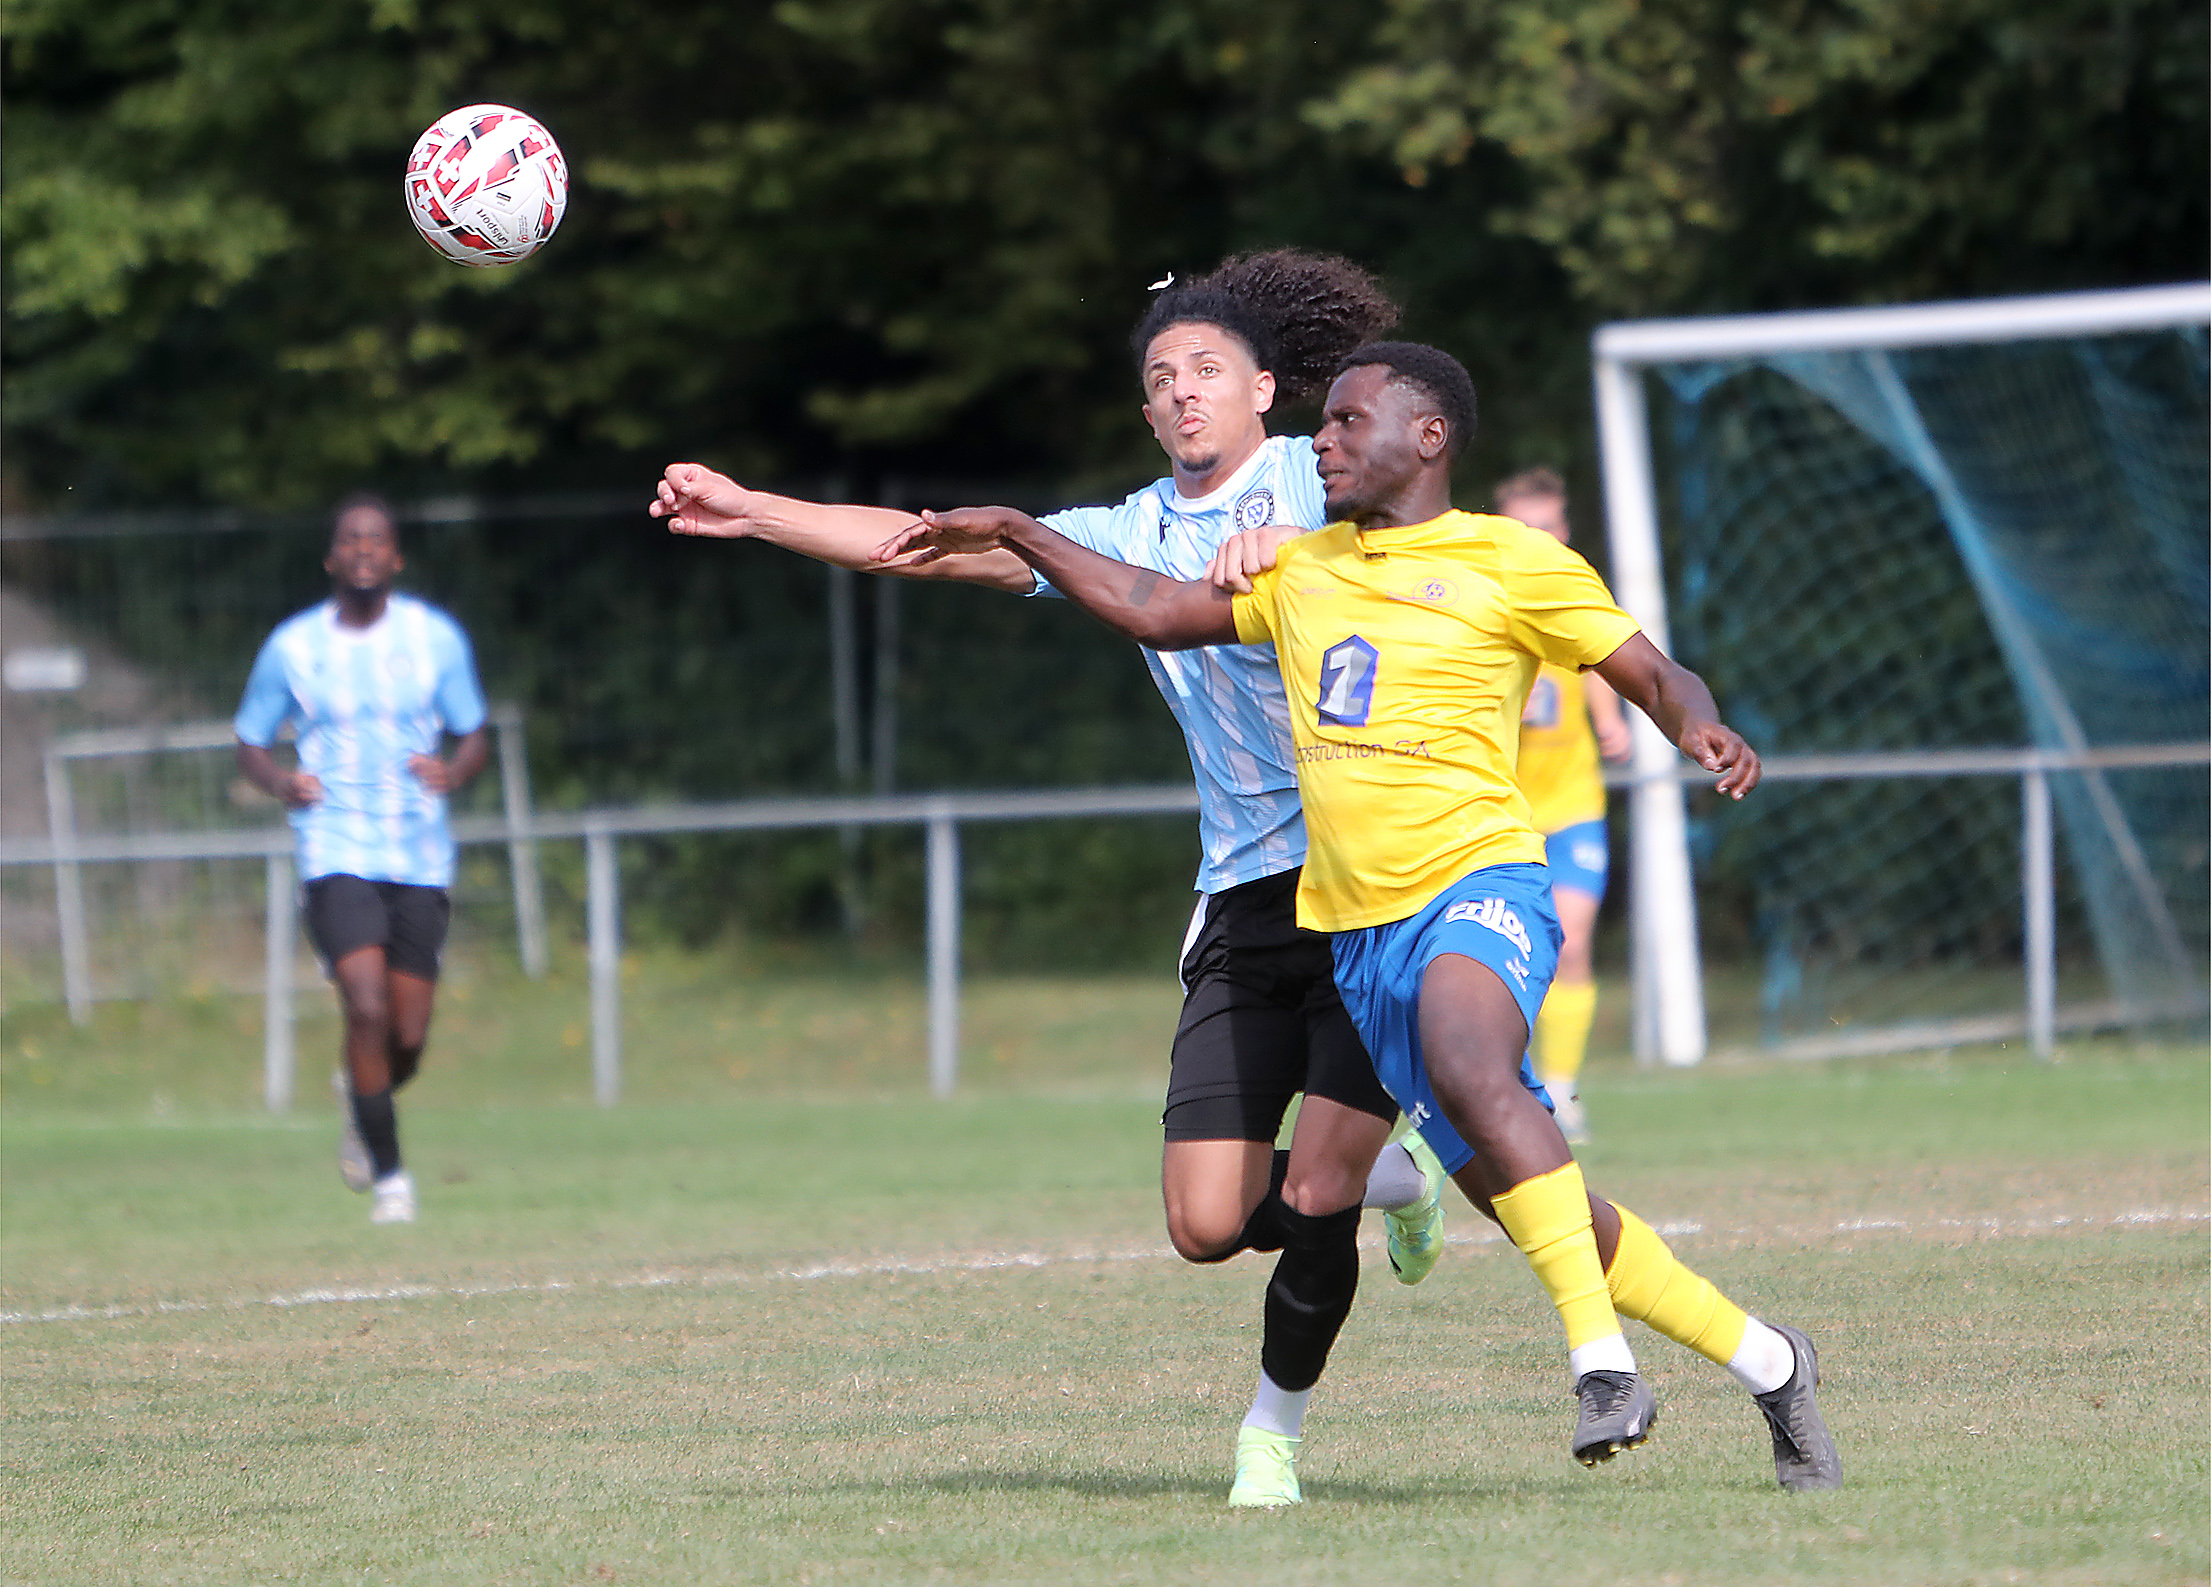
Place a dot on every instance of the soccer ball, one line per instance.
(486, 185)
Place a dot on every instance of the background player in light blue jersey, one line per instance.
(1261, 1021)
(373, 681)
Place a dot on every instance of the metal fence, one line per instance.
(521, 830)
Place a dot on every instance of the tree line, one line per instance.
(909, 236)
(851, 243)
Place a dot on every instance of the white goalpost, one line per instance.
(1843, 359)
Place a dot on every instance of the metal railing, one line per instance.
(2041, 1019)
(71, 849)
(941, 816)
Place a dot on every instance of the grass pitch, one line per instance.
(782, 1319)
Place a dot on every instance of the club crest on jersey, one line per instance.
(1497, 915)
(1430, 592)
(1255, 509)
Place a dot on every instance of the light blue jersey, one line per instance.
(1228, 698)
(364, 700)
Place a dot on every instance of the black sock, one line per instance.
(404, 1062)
(1263, 1229)
(1310, 1294)
(379, 1127)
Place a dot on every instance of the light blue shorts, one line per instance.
(1579, 857)
(1499, 916)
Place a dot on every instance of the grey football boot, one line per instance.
(1804, 1454)
(1617, 1412)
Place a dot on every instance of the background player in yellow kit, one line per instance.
(1407, 635)
(1568, 723)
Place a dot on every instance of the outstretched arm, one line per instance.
(1150, 608)
(697, 501)
(1677, 700)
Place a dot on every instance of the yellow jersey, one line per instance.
(1407, 654)
(1559, 770)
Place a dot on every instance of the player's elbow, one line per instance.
(1159, 635)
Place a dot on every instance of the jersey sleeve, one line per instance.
(268, 701)
(459, 697)
(1105, 530)
(1254, 613)
(1561, 611)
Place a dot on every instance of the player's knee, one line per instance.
(1573, 961)
(1206, 1234)
(366, 1008)
(1319, 1189)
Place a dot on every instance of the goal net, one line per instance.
(1938, 529)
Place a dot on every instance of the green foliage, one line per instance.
(1736, 154)
(846, 241)
(796, 231)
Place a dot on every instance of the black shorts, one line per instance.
(1261, 1022)
(346, 914)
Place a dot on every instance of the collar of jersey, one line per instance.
(1234, 484)
(1399, 535)
(330, 618)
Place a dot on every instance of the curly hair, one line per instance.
(1298, 313)
(1432, 372)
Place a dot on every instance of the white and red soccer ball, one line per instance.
(486, 185)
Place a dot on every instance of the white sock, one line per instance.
(1609, 1354)
(1275, 1409)
(1395, 1180)
(1764, 1361)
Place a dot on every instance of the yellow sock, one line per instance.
(1562, 1030)
(1548, 1218)
(1648, 1283)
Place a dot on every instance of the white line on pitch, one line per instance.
(985, 1262)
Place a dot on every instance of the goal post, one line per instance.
(1850, 368)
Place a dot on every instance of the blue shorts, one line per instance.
(1579, 857)
(1499, 916)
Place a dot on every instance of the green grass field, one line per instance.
(779, 1318)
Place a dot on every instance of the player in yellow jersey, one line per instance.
(1570, 720)
(1407, 635)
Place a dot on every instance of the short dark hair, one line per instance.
(1297, 313)
(1432, 372)
(1537, 481)
(360, 499)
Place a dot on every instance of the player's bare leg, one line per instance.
(409, 998)
(1211, 1189)
(1472, 1038)
(1332, 1152)
(364, 992)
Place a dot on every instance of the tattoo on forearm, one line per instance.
(1142, 588)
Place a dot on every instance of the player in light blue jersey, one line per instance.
(373, 681)
(1261, 1021)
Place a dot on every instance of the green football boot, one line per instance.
(1266, 1471)
(1416, 1229)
